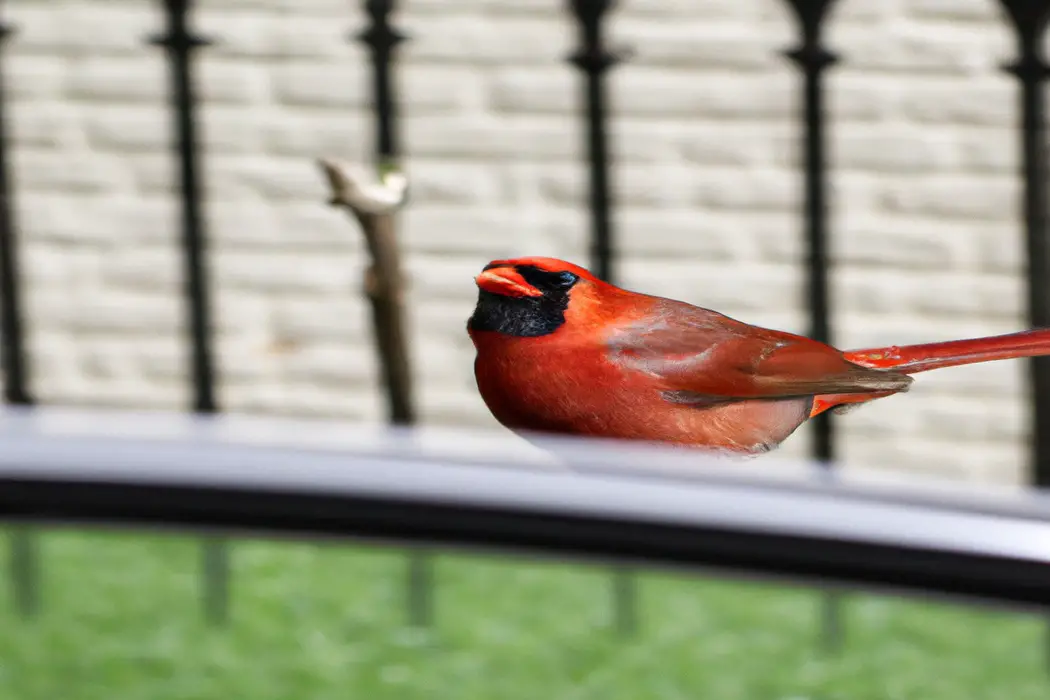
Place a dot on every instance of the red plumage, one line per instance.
(561, 351)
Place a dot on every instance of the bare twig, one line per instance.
(373, 203)
(384, 196)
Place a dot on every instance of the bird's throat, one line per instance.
(521, 317)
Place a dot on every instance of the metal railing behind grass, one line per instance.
(586, 500)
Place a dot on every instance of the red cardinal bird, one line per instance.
(559, 350)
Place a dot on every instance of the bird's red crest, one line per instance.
(549, 264)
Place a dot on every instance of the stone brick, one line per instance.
(306, 134)
(920, 48)
(778, 237)
(314, 225)
(253, 34)
(240, 316)
(857, 96)
(508, 7)
(239, 224)
(312, 400)
(713, 45)
(468, 136)
(984, 420)
(563, 232)
(965, 198)
(895, 150)
(332, 364)
(987, 150)
(856, 330)
(46, 125)
(113, 313)
(727, 143)
(671, 185)
(767, 189)
(128, 395)
(71, 171)
(113, 80)
(230, 129)
(270, 271)
(438, 278)
(320, 84)
(653, 234)
(938, 458)
(247, 356)
(539, 91)
(32, 77)
(140, 219)
(722, 95)
(1002, 250)
(656, 185)
(108, 359)
(134, 129)
(744, 10)
(85, 29)
(987, 102)
(44, 266)
(872, 14)
(314, 35)
(473, 38)
(438, 182)
(941, 295)
(428, 89)
(154, 173)
(901, 243)
(333, 9)
(487, 232)
(256, 397)
(640, 140)
(267, 178)
(343, 318)
(136, 268)
(971, 10)
(438, 320)
(225, 82)
(75, 219)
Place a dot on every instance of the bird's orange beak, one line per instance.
(507, 282)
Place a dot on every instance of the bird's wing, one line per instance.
(701, 356)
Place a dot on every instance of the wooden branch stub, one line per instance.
(384, 196)
(373, 204)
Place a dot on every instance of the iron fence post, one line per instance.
(179, 43)
(24, 560)
(812, 59)
(594, 59)
(1029, 21)
(382, 40)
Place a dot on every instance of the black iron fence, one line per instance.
(593, 59)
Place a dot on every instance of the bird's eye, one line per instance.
(566, 279)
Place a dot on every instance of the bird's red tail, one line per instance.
(910, 359)
(919, 358)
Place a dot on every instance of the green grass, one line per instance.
(122, 621)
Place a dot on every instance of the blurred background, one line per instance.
(926, 236)
(926, 242)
